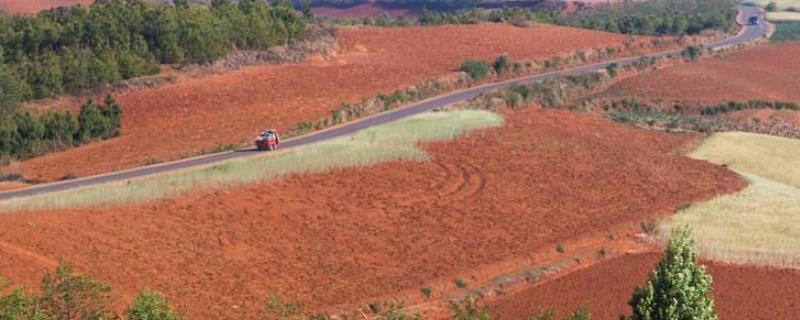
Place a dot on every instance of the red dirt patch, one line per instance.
(350, 236)
(34, 6)
(179, 119)
(767, 72)
(740, 292)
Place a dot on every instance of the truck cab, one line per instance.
(268, 140)
(753, 21)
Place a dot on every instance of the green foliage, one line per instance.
(613, 70)
(470, 310)
(501, 64)
(151, 305)
(68, 49)
(692, 52)
(786, 32)
(771, 7)
(427, 292)
(280, 308)
(476, 69)
(659, 17)
(23, 135)
(678, 288)
(550, 314)
(393, 310)
(753, 104)
(18, 306)
(460, 283)
(67, 295)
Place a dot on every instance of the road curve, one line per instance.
(748, 33)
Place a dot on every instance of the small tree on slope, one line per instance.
(678, 289)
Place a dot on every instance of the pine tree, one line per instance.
(678, 289)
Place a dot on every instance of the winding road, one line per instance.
(748, 33)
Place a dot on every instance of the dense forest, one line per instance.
(68, 49)
(652, 17)
(658, 17)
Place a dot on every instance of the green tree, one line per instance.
(151, 305)
(67, 295)
(476, 69)
(18, 306)
(771, 7)
(678, 289)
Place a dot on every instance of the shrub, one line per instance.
(277, 307)
(393, 310)
(151, 305)
(560, 248)
(678, 288)
(427, 292)
(460, 283)
(613, 70)
(476, 69)
(470, 310)
(692, 52)
(771, 7)
(501, 64)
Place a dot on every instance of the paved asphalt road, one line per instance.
(749, 33)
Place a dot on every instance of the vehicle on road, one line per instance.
(753, 21)
(268, 140)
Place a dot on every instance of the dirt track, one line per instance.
(741, 293)
(350, 236)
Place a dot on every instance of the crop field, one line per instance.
(782, 4)
(765, 72)
(391, 142)
(351, 236)
(371, 61)
(786, 32)
(34, 6)
(760, 224)
(740, 292)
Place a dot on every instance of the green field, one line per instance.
(394, 141)
(784, 16)
(761, 224)
(782, 4)
(786, 32)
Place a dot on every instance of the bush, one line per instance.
(501, 64)
(476, 69)
(678, 288)
(151, 305)
(67, 295)
(470, 310)
(771, 7)
(692, 52)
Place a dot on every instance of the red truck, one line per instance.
(268, 140)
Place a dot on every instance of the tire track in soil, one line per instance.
(461, 182)
(27, 254)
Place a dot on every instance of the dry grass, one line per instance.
(761, 224)
(771, 157)
(394, 141)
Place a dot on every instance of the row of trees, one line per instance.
(67, 295)
(24, 135)
(68, 49)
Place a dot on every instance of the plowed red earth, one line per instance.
(767, 72)
(350, 236)
(740, 292)
(34, 6)
(179, 119)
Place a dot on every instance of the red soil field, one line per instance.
(34, 6)
(177, 120)
(740, 292)
(354, 236)
(768, 72)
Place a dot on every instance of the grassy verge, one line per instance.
(784, 16)
(761, 224)
(394, 141)
(786, 32)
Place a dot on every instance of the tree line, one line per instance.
(72, 48)
(24, 135)
(653, 17)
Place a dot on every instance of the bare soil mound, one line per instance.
(767, 72)
(34, 6)
(740, 292)
(180, 119)
(358, 235)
